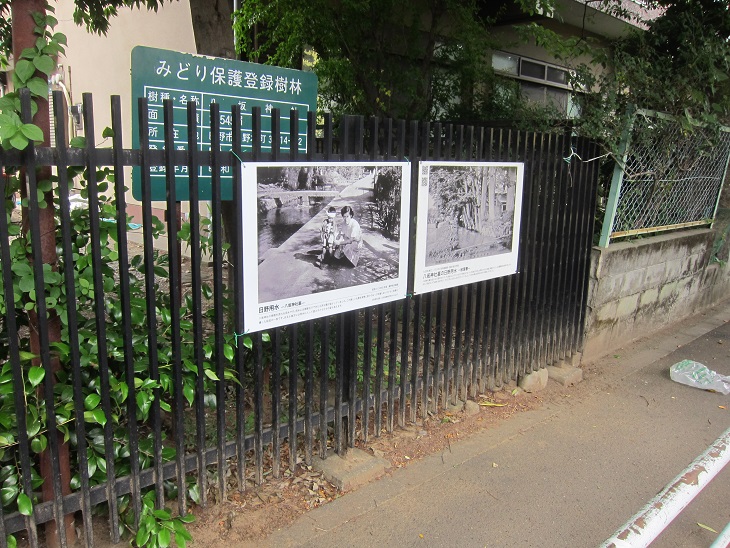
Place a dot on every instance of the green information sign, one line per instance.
(159, 74)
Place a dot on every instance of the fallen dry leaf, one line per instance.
(706, 527)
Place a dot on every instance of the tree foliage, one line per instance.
(679, 65)
(382, 57)
(430, 59)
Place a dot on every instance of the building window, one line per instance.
(539, 82)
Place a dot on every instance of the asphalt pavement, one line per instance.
(569, 473)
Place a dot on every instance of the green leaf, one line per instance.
(187, 518)
(38, 86)
(8, 494)
(207, 351)
(25, 506)
(96, 415)
(78, 142)
(189, 393)
(21, 269)
(18, 141)
(24, 69)
(7, 130)
(180, 529)
(165, 316)
(39, 444)
(211, 375)
(124, 389)
(194, 494)
(52, 49)
(228, 352)
(91, 465)
(92, 401)
(163, 538)
(32, 132)
(163, 515)
(8, 125)
(36, 375)
(143, 535)
(29, 53)
(27, 355)
(45, 64)
(108, 132)
(12, 542)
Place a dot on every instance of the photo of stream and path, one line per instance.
(292, 208)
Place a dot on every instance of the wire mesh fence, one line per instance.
(671, 177)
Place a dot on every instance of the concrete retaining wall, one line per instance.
(641, 286)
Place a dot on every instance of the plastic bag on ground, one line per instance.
(695, 374)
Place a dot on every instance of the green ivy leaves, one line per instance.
(157, 528)
(33, 62)
(15, 134)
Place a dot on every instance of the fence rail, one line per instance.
(156, 389)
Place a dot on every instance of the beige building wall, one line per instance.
(101, 65)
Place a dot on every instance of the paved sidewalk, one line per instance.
(567, 474)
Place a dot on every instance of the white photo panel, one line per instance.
(322, 238)
(468, 222)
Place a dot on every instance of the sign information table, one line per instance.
(161, 74)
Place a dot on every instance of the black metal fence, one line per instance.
(156, 390)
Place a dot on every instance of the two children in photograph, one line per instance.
(346, 243)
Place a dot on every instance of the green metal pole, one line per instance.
(722, 184)
(616, 180)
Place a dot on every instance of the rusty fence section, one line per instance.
(125, 378)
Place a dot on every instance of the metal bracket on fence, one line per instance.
(648, 523)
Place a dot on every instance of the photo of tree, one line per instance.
(470, 212)
(468, 222)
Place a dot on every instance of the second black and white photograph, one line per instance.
(469, 216)
(470, 212)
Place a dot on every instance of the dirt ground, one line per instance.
(251, 516)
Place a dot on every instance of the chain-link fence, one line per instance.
(671, 177)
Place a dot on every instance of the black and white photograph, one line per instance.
(328, 237)
(468, 222)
